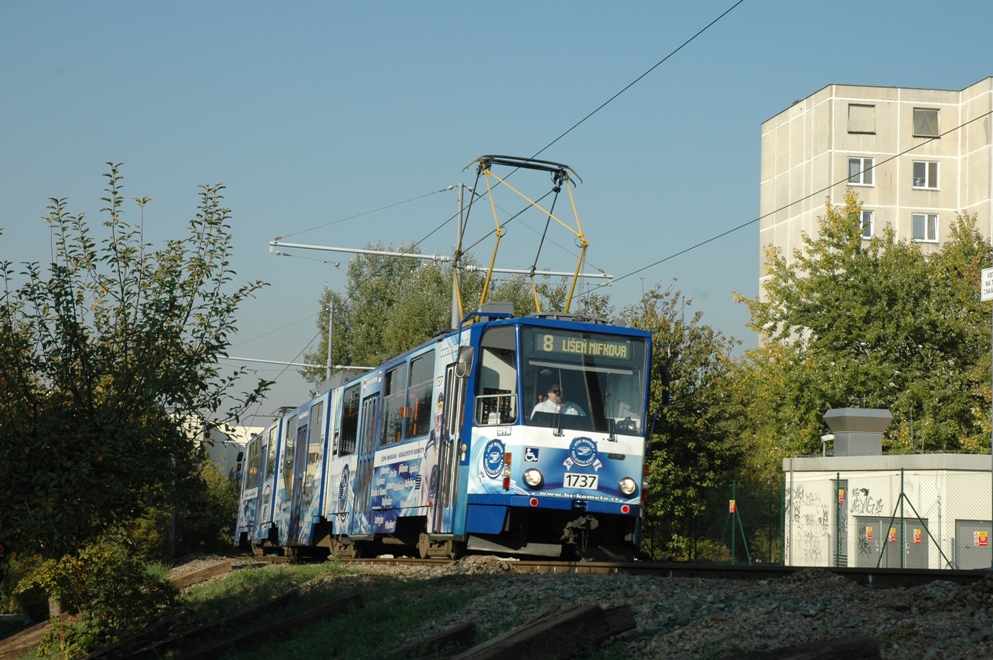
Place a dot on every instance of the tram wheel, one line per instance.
(343, 550)
(447, 549)
(454, 549)
(423, 546)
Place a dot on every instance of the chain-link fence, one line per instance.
(934, 513)
(732, 523)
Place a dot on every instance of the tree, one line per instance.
(877, 324)
(108, 371)
(206, 524)
(105, 592)
(392, 304)
(694, 446)
(389, 304)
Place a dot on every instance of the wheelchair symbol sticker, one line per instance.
(531, 455)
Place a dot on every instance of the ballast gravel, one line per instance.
(713, 619)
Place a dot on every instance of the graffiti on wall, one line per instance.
(863, 503)
(808, 520)
(868, 544)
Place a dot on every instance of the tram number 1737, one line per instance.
(581, 481)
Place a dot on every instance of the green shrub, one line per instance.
(105, 592)
(30, 601)
(204, 519)
(151, 535)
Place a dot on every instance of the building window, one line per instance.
(926, 122)
(925, 227)
(860, 171)
(925, 174)
(865, 224)
(861, 118)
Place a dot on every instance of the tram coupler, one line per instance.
(579, 526)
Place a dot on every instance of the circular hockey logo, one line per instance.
(343, 487)
(583, 452)
(493, 459)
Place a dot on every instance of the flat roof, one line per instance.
(967, 462)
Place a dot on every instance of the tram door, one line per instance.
(261, 507)
(361, 522)
(299, 465)
(448, 458)
(268, 469)
(282, 505)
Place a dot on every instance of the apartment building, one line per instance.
(916, 157)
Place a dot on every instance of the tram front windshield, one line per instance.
(583, 380)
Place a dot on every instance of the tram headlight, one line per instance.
(628, 486)
(533, 478)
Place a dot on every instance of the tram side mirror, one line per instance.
(464, 365)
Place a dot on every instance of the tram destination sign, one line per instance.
(561, 343)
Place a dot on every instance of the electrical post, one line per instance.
(456, 284)
(327, 369)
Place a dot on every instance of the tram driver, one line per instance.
(556, 403)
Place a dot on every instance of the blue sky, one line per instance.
(324, 118)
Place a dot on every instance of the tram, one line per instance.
(516, 435)
(458, 446)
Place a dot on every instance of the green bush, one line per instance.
(206, 517)
(151, 535)
(30, 601)
(105, 593)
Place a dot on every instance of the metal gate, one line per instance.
(972, 544)
(877, 536)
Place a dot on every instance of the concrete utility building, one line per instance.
(915, 157)
(862, 508)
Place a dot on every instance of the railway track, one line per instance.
(659, 613)
(883, 578)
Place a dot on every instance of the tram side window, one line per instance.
(418, 412)
(315, 435)
(497, 384)
(288, 453)
(270, 463)
(349, 421)
(254, 457)
(315, 440)
(393, 404)
(370, 411)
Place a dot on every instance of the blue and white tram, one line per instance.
(283, 485)
(465, 443)
(255, 512)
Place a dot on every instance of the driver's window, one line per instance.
(496, 398)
